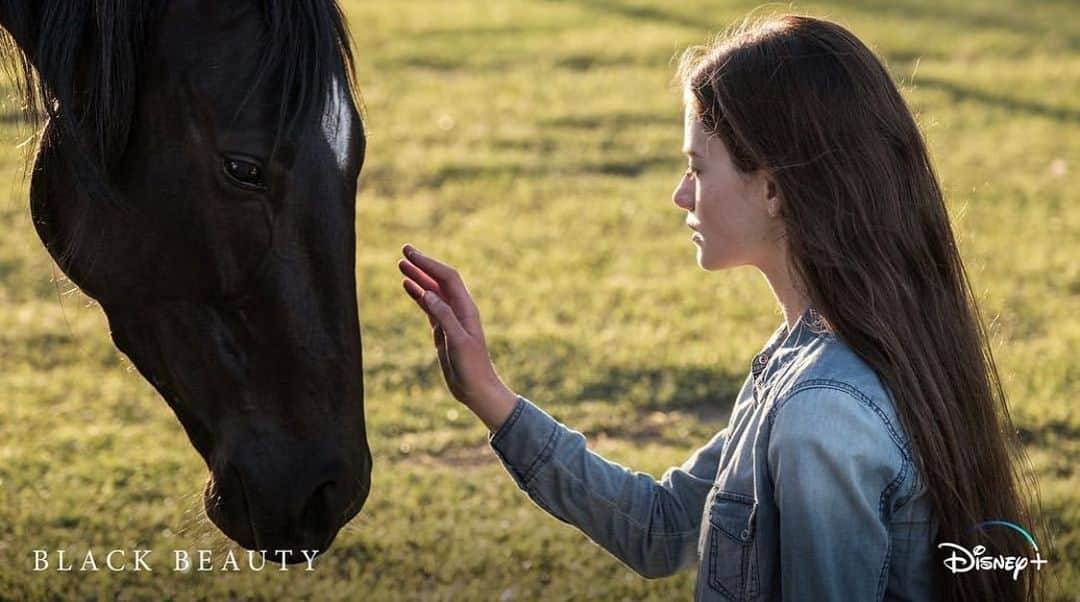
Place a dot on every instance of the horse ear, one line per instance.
(20, 19)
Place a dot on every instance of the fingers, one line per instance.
(449, 281)
(463, 306)
(441, 349)
(439, 270)
(416, 292)
(413, 289)
(440, 315)
(449, 323)
(418, 276)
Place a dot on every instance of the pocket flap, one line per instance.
(733, 515)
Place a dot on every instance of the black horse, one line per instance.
(196, 175)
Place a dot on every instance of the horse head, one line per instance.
(196, 175)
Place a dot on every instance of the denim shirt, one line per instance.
(811, 492)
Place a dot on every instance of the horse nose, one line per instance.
(290, 500)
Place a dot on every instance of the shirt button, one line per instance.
(745, 534)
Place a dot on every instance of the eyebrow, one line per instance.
(690, 153)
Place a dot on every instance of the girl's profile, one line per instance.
(871, 426)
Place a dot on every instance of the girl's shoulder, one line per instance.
(825, 377)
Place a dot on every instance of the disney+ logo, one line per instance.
(963, 560)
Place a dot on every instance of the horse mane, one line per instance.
(81, 76)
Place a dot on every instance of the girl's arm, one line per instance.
(651, 526)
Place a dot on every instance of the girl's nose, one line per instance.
(683, 196)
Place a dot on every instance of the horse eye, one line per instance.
(245, 173)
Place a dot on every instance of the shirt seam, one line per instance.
(541, 458)
(905, 459)
(825, 383)
(887, 492)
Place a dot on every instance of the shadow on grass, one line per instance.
(1044, 434)
(666, 405)
(895, 58)
(958, 18)
(452, 173)
(631, 168)
(705, 393)
(649, 14)
(961, 93)
(13, 117)
(467, 33)
(615, 120)
(961, 19)
(585, 62)
(660, 405)
(7, 267)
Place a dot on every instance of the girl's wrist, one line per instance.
(495, 407)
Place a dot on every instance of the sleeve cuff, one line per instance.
(525, 441)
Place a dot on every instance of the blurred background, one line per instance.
(535, 146)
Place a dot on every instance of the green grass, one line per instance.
(535, 145)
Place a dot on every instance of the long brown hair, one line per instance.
(870, 240)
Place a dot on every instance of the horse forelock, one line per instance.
(80, 77)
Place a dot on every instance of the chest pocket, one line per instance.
(731, 562)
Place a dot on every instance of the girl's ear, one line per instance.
(772, 198)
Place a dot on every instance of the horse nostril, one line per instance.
(316, 518)
(279, 503)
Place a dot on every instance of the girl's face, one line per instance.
(733, 214)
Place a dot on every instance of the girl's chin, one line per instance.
(709, 262)
(703, 260)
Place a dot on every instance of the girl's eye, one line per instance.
(247, 174)
(690, 173)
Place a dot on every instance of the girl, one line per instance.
(871, 426)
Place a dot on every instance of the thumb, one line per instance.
(444, 315)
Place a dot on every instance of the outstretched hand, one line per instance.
(458, 336)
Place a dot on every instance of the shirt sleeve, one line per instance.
(652, 526)
(834, 462)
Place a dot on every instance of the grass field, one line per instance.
(535, 145)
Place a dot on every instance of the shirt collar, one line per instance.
(810, 325)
